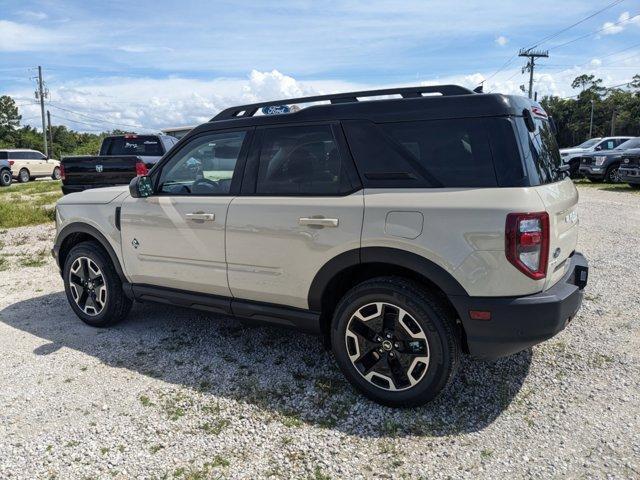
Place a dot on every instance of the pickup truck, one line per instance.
(121, 158)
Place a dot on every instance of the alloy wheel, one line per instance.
(87, 285)
(24, 176)
(6, 177)
(387, 346)
(614, 175)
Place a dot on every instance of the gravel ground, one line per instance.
(173, 393)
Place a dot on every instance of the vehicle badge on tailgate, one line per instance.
(99, 168)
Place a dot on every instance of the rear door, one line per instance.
(176, 237)
(301, 205)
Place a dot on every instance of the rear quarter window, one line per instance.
(541, 155)
(422, 154)
(4, 155)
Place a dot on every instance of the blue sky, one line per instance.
(156, 63)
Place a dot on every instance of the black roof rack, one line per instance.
(242, 111)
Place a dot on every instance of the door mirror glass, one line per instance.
(599, 147)
(141, 187)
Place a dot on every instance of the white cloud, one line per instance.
(22, 37)
(502, 40)
(625, 19)
(33, 15)
(595, 62)
(152, 104)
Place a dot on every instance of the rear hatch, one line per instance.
(558, 193)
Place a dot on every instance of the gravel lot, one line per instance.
(173, 393)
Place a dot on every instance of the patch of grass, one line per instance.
(290, 419)
(486, 453)
(201, 473)
(318, 474)
(37, 260)
(156, 448)
(28, 204)
(608, 187)
(145, 401)
(4, 264)
(219, 461)
(214, 427)
(104, 450)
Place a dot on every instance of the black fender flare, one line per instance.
(393, 256)
(92, 232)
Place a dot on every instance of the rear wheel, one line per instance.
(23, 175)
(395, 342)
(5, 177)
(56, 173)
(635, 185)
(93, 287)
(613, 175)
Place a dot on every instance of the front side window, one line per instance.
(607, 145)
(204, 166)
(302, 160)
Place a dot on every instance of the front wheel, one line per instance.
(613, 174)
(5, 177)
(93, 287)
(56, 173)
(395, 342)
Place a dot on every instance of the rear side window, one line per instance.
(141, 145)
(4, 155)
(540, 152)
(300, 160)
(423, 154)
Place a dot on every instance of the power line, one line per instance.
(99, 120)
(594, 32)
(79, 122)
(553, 35)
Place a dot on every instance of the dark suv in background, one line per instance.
(603, 166)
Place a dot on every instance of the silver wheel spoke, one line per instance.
(387, 346)
(87, 285)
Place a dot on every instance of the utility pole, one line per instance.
(531, 55)
(50, 133)
(591, 122)
(613, 122)
(41, 93)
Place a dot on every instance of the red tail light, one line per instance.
(527, 243)
(63, 176)
(11, 162)
(141, 169)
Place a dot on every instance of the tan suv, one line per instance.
(30, 164)
(406, 231)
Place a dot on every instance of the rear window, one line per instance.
(142, 145)
(4, 155)
(423, 154)
(540, 152)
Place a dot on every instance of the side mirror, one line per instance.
(141, 187)
(599, 147)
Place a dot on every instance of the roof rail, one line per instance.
(242, 111)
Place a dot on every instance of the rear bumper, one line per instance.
(629, 174)
(520, 322)
(66, 189)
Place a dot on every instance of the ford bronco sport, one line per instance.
(405, 230)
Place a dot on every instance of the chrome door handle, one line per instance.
(318, 222)
(205, 217)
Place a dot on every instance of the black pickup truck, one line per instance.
(121, 158)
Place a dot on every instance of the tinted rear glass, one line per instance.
(431, 154)
(540, 152)
(141, 145)
(4, 155)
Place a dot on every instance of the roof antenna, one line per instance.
(479, 88)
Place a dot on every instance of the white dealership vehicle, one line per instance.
(30, 164)
(405, 231)
(572, 156)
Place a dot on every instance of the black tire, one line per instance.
(435, 322)
(613, 175)
(635, 185)
(594, 180)
(24, 176)
(5, 177)
(56, 173)
(116, 304)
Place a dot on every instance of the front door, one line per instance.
(300, 206)
(176, 237)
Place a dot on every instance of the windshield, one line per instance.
(540, 150)
(632, 143)
(589, 143)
